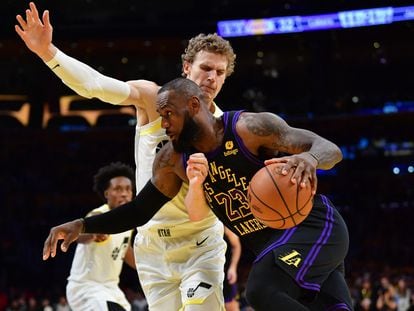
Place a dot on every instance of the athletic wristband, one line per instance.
(82, 220)
(130, 215)
(314, 156)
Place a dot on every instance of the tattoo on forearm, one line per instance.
(287, 145)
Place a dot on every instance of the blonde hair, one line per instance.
(210, 43)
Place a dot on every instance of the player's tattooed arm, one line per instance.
(167, 170)
(307, 150)
(271, 132)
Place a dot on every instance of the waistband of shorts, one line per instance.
(177, 231)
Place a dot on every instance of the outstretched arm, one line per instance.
(164, 185)
(37, 34)
(123, 218)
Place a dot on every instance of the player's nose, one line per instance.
(212, 75)
(164, 123)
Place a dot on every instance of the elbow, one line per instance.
(339, 155)
(331, 157)
(336, 157)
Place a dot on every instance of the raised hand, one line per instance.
(36, 33)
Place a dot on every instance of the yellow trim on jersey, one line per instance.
(197, 301)
(217, 111)
(154, 127)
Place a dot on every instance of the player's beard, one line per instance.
(188, 135)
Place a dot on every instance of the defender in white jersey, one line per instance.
(97, 264)
(180, 263)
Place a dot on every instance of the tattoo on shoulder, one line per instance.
(261, 125)
(165, 157)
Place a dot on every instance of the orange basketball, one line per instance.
(277, 202)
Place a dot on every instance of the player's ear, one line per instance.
(194, 105)
(106, 194)
(186, 68)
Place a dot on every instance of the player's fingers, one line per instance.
(305, 180)
(314, 185)
(29, 18)
(196, 171)
(198, 167)
(46, 249)
(200, 170)
(67, 241)
(305, 176)
(296, 176)
(49, 248)
(275, 160)
(197, 155)
(21, 22)
(46, 19)
(288, 164)
(34, 12)
(197, 159)
(19, 31)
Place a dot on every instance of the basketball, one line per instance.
(275, 201)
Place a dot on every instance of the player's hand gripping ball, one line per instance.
(275, 201)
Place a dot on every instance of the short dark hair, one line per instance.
(186, 87)
(106, 173)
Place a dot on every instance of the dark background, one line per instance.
(311, 79)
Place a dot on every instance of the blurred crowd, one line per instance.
(390, 291)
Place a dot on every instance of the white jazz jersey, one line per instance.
(100, 262)
(94, 276)
(148, 140)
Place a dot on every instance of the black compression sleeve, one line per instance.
(130, 215)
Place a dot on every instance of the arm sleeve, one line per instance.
(130, 215)
(86, 81)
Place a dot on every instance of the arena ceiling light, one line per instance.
(292, 24)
